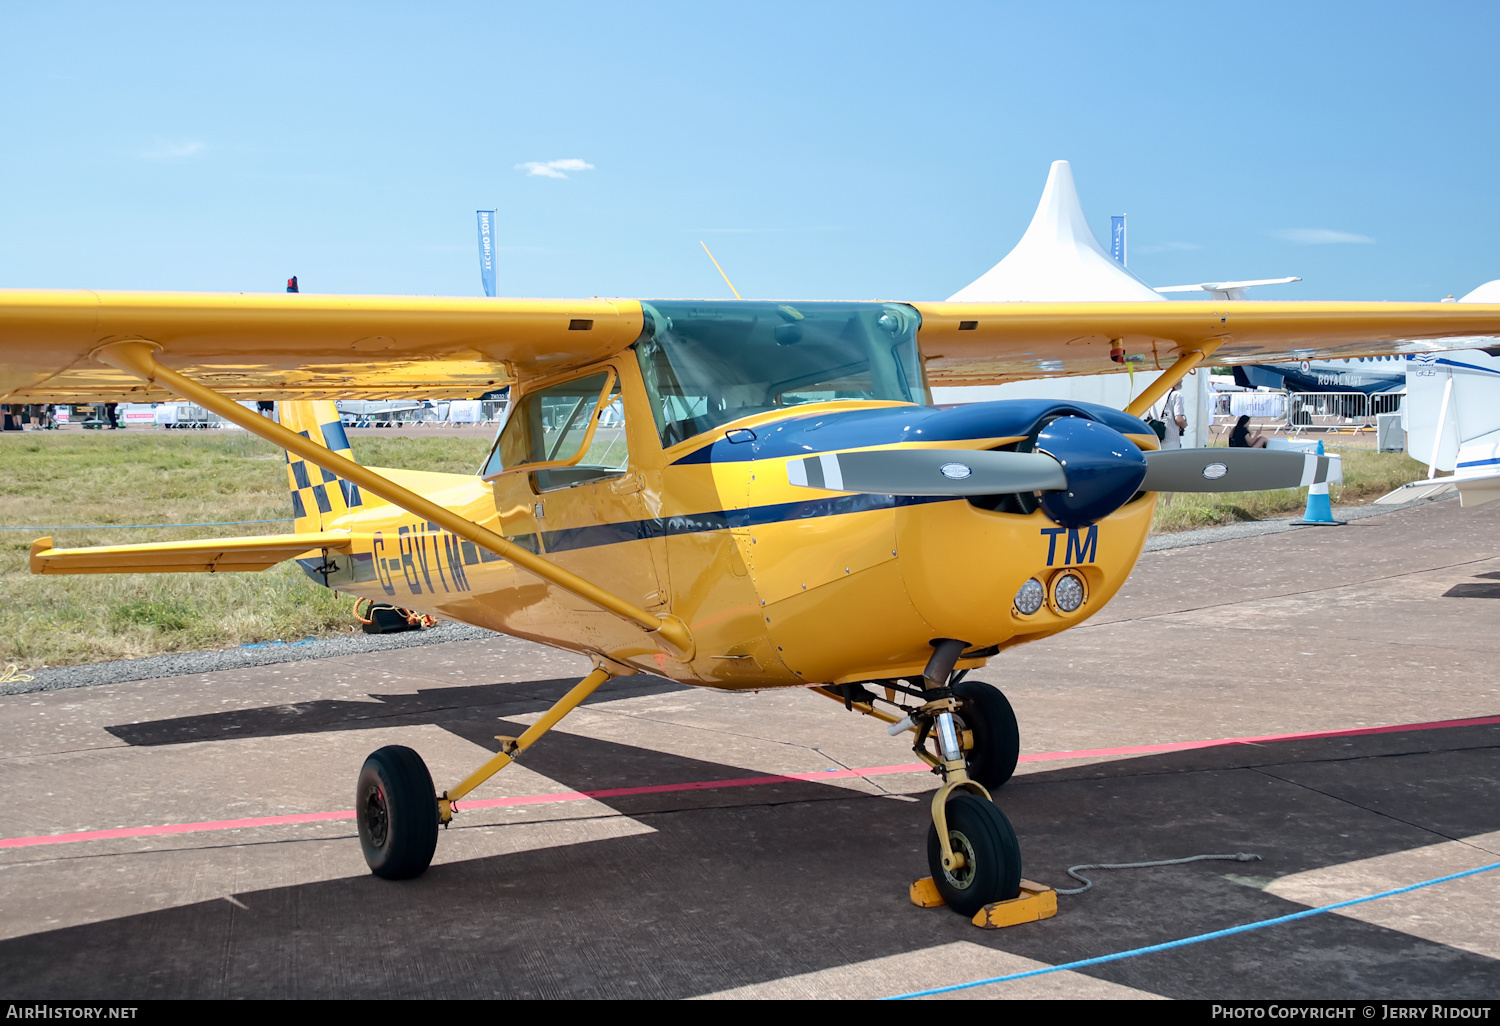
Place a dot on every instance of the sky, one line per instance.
(821, 150)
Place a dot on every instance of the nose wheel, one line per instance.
(989, 855)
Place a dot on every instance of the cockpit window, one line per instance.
(706, 364)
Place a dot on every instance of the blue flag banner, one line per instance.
(487, 250)
(1117, 238)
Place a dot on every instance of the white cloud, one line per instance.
(1167, 247)
(554, 168)
(1319, 236)
(164, 150)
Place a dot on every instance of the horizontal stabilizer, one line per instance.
(1473, 490)
(213, 555)
(928, 472)
(1231, 470)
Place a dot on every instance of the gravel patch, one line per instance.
(176, 664)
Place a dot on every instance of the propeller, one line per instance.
(929, 472)
(1231, 470)
(1082, 469)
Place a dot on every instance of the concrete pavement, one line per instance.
(798, 887)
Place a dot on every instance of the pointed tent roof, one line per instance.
(1058, 260)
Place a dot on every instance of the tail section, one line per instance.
(318, 497)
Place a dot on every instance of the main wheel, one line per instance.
(992, 855)
(397, 812)
(986, 712)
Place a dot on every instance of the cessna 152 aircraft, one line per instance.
(729, 494)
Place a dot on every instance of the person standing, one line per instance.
(1173, 417)
(1175, 422)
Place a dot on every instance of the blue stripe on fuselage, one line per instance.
(594, 535)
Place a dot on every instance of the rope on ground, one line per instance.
(132, 527)
(1087, 883)
(1199, 939)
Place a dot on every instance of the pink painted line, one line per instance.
(1184, 746)
(711, 785)
(174, 828)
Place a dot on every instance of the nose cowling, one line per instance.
(1103, 467)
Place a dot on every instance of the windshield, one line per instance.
(708, 363)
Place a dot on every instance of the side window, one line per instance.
(551, 426)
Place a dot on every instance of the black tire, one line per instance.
(988, 843)
(396, 808)
(997, 739)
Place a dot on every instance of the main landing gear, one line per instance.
(972, 849)
(394, 802)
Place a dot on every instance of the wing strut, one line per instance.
(1169, 377)
(138, 357)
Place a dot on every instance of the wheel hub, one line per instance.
(963, 876)
(377, 819)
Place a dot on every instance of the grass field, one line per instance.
(168, 477)
(157, 477)
(1367, 475)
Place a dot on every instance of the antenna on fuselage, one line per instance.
(720, 270)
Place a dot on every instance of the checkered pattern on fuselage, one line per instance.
(318, 496)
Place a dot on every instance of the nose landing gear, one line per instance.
(972, 849)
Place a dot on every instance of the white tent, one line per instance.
(1058, 260)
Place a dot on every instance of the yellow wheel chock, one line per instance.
(1035, 903)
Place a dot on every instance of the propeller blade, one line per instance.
(1231, 470)
(928, 472)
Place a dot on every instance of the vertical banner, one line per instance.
(1117, 238)
(487, 250)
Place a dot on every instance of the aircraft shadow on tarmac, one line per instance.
(1468, 589)
(751, 884)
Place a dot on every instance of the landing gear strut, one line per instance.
(398, 813)
(972, 849)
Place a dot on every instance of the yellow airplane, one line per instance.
(728, 494)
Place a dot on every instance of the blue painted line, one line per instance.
(1199, 939)
(273, 644)
(132, 527)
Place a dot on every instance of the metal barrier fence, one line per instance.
(1328, 410)
(1296, 412)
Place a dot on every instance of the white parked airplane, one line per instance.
(1452, 420)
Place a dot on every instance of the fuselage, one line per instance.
(780, 585)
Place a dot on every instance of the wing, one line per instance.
(213, 555)
(283, 346)
(987, 343)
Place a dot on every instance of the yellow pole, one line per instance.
(720, 270)
(139, 357)
(582, 690)
(1169, 377)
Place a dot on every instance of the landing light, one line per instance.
(1029, 598)
(1067, 593)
